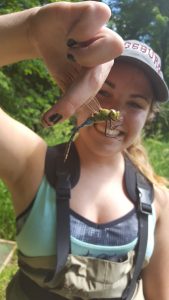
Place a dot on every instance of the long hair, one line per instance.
(138, 155)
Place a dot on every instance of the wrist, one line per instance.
(31, 32)
(15, 41)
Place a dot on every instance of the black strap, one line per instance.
(54, 156)
(130, 181)
(63, 220)
(62, 176)
(144, 209)
(63, 188)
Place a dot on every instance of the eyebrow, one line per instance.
(140, 96)
(112, 85)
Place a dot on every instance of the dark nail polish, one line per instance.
(71, 57)
(55, 118)
(71, 43)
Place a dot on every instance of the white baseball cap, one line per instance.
(144, 56)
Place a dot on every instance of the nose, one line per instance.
(116, 107)
(115, 104)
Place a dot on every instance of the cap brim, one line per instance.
(159, 85)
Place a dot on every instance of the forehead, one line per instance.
(128, 79)
(128, 67)
(127, 73)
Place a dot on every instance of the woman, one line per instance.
(104, 223)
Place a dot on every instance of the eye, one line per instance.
(103, 93)
(135, 105)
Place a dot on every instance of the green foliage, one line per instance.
(159, 155)
(27, 91)
(158, 128)
(7, 275)
(7, 219)
(59, 134)
(17, 5)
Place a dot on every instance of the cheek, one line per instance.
(135, 121)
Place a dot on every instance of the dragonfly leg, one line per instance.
(87, 122)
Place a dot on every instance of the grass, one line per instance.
(7, 218)
(159, 157)
(6, 276)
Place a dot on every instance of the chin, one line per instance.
(104, 146)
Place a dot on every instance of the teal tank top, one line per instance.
(37, 236)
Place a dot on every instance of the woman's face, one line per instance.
(128, 90)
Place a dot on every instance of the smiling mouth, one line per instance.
(109, 132)
(112, 133)
(112, 129)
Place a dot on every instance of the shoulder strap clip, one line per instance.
(145, 207)
(145, 195)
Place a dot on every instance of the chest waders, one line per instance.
(78, 277)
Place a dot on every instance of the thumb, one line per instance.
(82, 90)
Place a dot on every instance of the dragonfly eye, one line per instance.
(114, 115)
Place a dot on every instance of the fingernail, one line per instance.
(71, 57)
(71, 43)
(55, 118)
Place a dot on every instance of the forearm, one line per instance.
(15, 40)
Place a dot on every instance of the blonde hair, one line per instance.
(138, 155)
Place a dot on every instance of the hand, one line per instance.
(53, 30)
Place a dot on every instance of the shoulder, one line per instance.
(161, 200)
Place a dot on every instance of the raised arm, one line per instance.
(47, 33)
(22, 154)
(155, 275)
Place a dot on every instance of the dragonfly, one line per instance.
(98, 114)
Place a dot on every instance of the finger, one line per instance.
(87, 19)
(106, 46)
(84, 88)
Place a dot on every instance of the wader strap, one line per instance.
(53, 156)
(63, 220)
(144, 209)
(62, 187)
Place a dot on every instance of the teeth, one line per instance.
(109, 132)
(112, 132)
